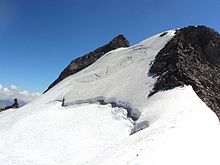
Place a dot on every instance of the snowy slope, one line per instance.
(120, 75)
(57, 135)
(183, 130)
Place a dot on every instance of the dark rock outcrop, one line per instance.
(14, 105)
(88, 59)
(192, 57)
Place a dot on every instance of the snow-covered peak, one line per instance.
(90, 118)
(120, 76)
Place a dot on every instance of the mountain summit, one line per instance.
(89, 58)
(191, 57)
(149, 103)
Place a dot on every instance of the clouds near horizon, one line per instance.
(9, 93)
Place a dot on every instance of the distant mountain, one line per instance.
(4, 103)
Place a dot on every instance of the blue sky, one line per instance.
(38, 38)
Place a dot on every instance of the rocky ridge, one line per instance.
(192, 57)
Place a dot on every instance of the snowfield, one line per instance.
(182, 129)
(69, 135)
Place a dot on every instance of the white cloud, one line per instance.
(13, 87)
(6, 90)
(1, 87)
(15, 92)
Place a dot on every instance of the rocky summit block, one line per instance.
(192, 57)
(88, 59)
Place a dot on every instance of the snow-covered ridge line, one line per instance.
(84, 61)
(120, 74)
(118, 78)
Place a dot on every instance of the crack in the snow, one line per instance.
(132, 113)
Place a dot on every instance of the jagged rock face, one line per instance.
(88, 59)
(192, 57)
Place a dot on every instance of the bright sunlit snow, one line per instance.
(57, 135)
(182, 130)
